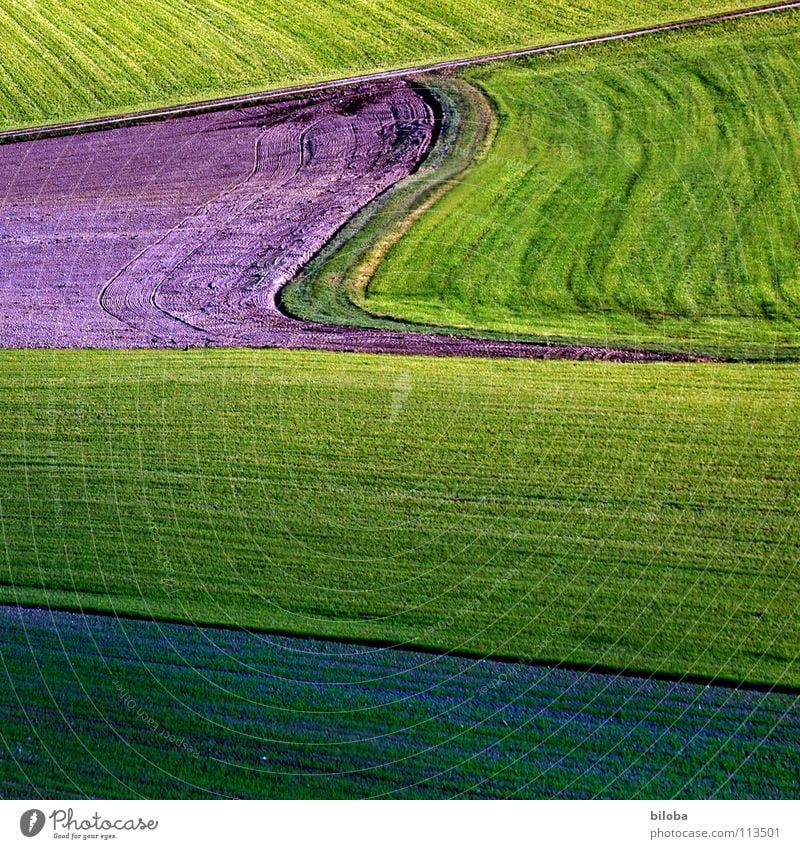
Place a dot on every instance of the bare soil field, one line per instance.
(176, 233)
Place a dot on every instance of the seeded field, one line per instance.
(636, 194)
(65, 59)
(641, 518)
(445, 529)
(127, 709)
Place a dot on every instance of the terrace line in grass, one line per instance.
(639, 518)
(640, 194)
(330, 287)
(69, 59)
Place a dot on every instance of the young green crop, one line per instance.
(108, 707)
(635, 517)
(640, 194)
(67, 59)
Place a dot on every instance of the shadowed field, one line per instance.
(118, 708)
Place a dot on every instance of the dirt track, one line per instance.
(263, 97)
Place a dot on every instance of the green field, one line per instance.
(65, 59)
(640, 194)
(607, 517)
(104, 707)
(329, 288)
(643, 518)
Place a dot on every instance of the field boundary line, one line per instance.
(722, 682)
(262, 97)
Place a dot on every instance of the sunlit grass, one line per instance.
(640, 194)
(639, 517)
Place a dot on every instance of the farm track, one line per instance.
(262, 97)
(210, 274)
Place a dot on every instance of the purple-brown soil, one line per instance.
(177, 232)
(182, 232)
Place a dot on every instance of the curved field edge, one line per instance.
(151, 710)
(330, 287)
(639, 519)
(421, 280)
(71, 59)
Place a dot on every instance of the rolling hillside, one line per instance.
(640, 194)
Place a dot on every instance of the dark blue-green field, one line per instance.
(105, 707)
